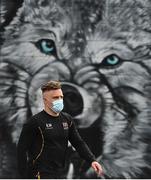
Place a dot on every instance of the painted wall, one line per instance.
(101, 52)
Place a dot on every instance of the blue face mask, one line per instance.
(57, 105)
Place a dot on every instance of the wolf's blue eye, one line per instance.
(111, 60)
(46, 46)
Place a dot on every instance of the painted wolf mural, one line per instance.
(101, 52)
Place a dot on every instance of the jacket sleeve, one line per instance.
(79, 144)
(24, 143)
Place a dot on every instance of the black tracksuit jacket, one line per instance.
(43, 143)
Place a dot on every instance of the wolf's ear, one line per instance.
(128, 15)
(8, 9)
(38, 3)
(41, 9)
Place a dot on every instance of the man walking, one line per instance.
(43, 143)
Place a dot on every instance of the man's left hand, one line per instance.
(97, 168)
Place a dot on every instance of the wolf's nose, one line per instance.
(73, 101)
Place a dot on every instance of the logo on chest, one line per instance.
(49, 126)
(65, 125)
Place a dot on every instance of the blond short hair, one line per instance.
(51, 85)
